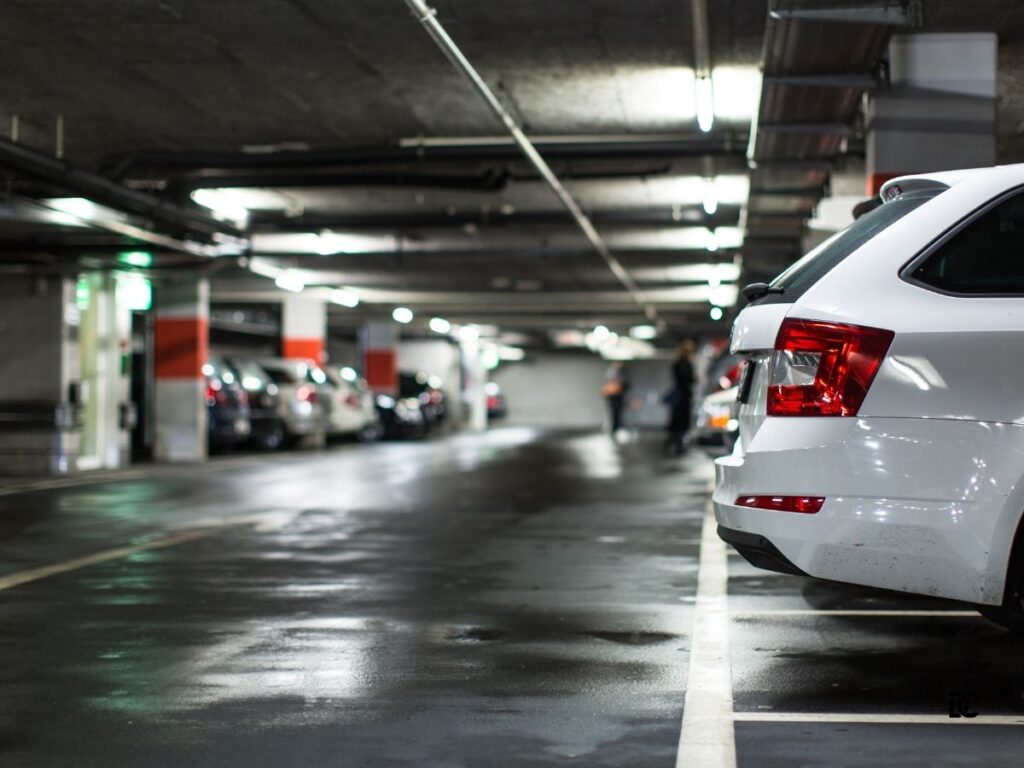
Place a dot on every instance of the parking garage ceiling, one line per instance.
(365, 160)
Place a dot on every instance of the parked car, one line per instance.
(400, 417)
(353, 411)
(716, 423)
(426, 389)
(268, 429)
(497, 407)
(303, 398)
(227, 406)
(881, 436)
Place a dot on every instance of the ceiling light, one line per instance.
(469, 333)
(601, 333)
(705, 98)
(712, 241)
(643, 332)
(710, 197)
(223, 204)
(737, 92)
(402, 315)
(345, 297)
(78, 207)
(349, 374)
(716, 313)
(511, 354)
(289, 280)
(489, 357)
(264, 268)
(440, 325)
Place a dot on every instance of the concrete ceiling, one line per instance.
(301, 108)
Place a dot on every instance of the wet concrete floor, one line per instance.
(509, 599)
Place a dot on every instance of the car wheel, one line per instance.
(1010, 614)
(273, 438)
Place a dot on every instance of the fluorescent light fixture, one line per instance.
(440, 325)
(601, 333)
(78, 207)
(511, 354)
(289, 280)
(716, 313)
(711, 242)
(643, 332)
(710, 197)
(737, 92)
(322, 243)
(489, 357)
(223, 204)
(469, 333)
(723, 295)
(264, 268)
(349, 374)
(705, 98)
(345, 297)
(402, 315)
(726, 272)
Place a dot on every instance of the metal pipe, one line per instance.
(727, 144)
(701, 39)
(428, 17)
(41, 167)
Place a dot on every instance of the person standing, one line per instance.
(680, 398)
(614, 390)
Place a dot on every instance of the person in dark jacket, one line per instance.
(616, 384)
(680, 399)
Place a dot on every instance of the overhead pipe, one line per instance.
(99, 189)
(484, 148)
(428, 17)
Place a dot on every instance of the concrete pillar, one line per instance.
(941, 111)
(474, 385)
(303, 327)
(379, 343)
(38, 375)
(105, 351)
(181, 348)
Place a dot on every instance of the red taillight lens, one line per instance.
(824, 369)
(807, 505)
(306, 394)
(352, 400)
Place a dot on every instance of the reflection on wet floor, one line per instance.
(419, 607)
(515, 598)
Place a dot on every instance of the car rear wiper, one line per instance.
(755, 291)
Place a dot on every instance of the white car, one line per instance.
(303, 398)
(352, 405)
(881, 412)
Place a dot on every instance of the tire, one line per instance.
(274, 438)
(1010, 615)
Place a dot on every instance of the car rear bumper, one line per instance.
(919, 505)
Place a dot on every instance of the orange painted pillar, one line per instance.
(181, 346)
(379, 343)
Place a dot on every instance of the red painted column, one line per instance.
(379, 343)
(181, 348)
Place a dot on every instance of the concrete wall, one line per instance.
(563, 389)
(435, 357)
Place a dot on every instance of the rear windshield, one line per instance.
(280, 376)
(799, 277)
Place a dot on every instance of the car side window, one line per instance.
(984, 258)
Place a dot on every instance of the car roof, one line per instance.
(1012, 173)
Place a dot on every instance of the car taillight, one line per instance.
(353, 401)
(824, 369)
(730, 378)
(307, 394)
(215, 394)
(807, 505)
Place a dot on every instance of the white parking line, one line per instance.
(707, 739)
(35, 574)
(783, 613)
(834, 717)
